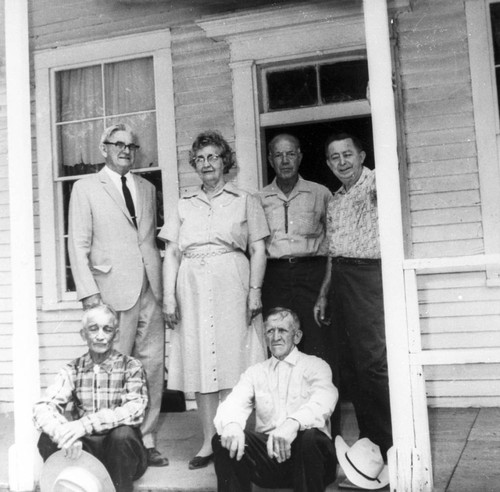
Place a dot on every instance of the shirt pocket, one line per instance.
(306, 224)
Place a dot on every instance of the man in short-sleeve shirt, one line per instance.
(355, 298)
(296, 247)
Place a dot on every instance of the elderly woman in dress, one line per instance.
(212, 291)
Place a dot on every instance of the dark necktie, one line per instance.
(128, 200)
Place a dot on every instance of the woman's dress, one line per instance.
(213, 344)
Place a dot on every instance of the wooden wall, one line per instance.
(457, 310)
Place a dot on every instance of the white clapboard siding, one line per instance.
(203, 95)
(457, 310)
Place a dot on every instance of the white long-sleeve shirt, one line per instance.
(299, 387)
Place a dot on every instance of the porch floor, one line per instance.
(465, 451)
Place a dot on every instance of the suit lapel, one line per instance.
(113, 192)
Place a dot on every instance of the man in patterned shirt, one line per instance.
(355, 297)
(108, 394)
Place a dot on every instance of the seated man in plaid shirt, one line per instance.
(109, 396)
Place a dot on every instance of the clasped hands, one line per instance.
(67, 437)
(279, 442)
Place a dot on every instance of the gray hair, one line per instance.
(284, 136)
(105, 308)
(283, 312)
(119, 127)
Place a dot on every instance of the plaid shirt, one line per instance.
(104, 396)
(352, 220)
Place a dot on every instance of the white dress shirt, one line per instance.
(117, 181)
(299, 387)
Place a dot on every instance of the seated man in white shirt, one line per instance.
(294, 397)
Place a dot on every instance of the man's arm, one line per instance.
(323, 396)
(279, 443)
(79, 244)
(322, 302)
(233, 413)
(47, 412)
(132, 408)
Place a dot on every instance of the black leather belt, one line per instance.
(355, 261)
(297, 259)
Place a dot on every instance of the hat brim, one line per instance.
(57, 462)
(353, 475)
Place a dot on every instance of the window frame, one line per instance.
(156, 44)
(487, 125)
(314, 62)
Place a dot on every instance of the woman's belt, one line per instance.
(207, 254)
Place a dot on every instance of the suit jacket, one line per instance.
(108, 254)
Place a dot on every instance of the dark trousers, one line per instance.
(311, 467)
(296, 286)
(358, 333)
(121, 451)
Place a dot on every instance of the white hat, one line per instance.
(86, 474)
(362, 463)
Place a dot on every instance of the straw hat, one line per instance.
(362, 463)
(86, 474)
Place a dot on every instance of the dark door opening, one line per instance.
(312, 138)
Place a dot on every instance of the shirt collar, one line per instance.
(117, 177)
(227, 188)
(88, 364)
(364, 174)
(290, 359)
(301, 186)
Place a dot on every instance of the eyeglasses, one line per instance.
(285, 155)
(122, 146)
(211, 159)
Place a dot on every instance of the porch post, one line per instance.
(22, 457)
(405, 459)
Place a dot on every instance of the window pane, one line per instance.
(144, 127)
(495, 28)
(79, 94)
(292, 88)
(343, 81)
(70, 283)
(129, 86)
(79, 148)
(67, 186)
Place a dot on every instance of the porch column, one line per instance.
(409, 470)
(26, 384)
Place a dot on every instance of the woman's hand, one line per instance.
(254, 304)
(320, 311)
(171, 312)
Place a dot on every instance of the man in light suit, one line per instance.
(114, 259)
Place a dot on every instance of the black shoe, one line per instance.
(155, 458)
(200, 462)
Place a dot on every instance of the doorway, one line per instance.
(312, 137)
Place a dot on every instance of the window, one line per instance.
(315, 84)
(80, 93)
(483, 26)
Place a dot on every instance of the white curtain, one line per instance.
(84, 109)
